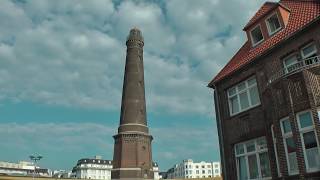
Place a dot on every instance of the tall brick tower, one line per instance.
(132, 157)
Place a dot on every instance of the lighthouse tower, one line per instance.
(132, 158)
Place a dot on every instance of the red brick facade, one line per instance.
(285, 96)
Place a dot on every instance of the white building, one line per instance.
(62, 174)
(23, 168)
(97, 168)
(189, 169)
(156, 175)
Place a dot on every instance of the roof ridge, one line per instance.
(299, 1)
(261, 12)
(307, 10)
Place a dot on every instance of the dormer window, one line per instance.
(273, 24)
(256, 35)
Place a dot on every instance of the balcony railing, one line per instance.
(297, 67)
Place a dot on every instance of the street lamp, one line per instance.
(35, 158)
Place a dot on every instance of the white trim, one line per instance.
(136, 124)
(134, 133)
(307, 130)
(254, 44)
(130, 169)
(310, 54)
(238, 92)
(268, 26)
(274, 140)
(246, 154)
(284, 137)
(286, 58)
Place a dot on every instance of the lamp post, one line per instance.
(35, 158)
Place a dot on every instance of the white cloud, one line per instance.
(80, 140)
(72, 53)
(49, 136)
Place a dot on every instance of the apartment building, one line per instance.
(267, 97)
(189, 169)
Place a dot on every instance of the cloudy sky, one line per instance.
(62, 65)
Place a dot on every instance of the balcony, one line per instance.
(295, 68)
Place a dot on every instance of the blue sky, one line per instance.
(62, 65)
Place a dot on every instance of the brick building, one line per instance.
(267, 97)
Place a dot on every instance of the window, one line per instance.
(309, 50)
(309, 54)
(197, 166)
(273, 24)
(256, 35)
(274, 140)
(190, 171)
(290, 63)
(243, 96)
(252, 159)
(203, 171)
(209, 171)
(309, 141)
(197, 171)
(290, 147)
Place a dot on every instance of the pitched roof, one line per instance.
(301, 14)
(265, 9)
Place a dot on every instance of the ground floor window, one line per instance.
(290, 146)
(252, 159)
(309, 141)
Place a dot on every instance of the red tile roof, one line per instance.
(301, 14)
(265, 9)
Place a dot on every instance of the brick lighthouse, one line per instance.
(132, 158)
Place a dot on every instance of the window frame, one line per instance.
(286, 58)
(252, 41)
(308, 56)
(284, 137)
(307, 130)
(238, 92)
(257, 153)
(268, 25)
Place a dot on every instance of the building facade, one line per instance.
(95, 168)
(267, 97)
(189, 169)
(22, 168)
(156, 173)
